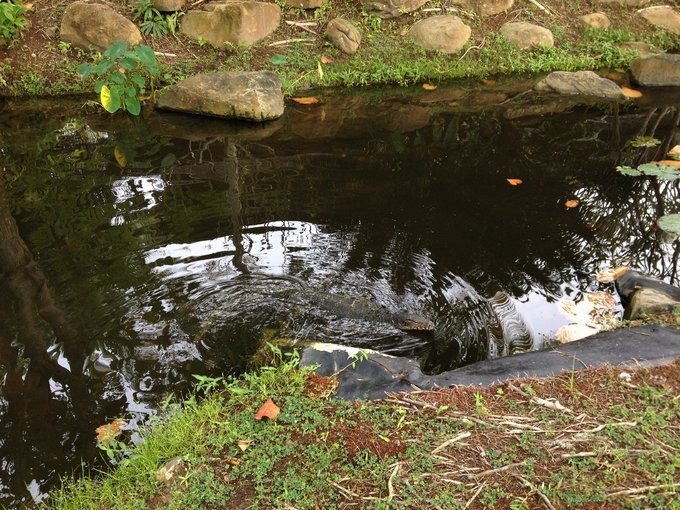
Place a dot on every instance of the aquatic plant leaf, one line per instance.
(667, 173)
(569, 204)
(630, 93)
(278, 59)
(611, 274)
(670, 223)
(515, 182)
(628, 170)
(645, 141)
(429, 86)
(109, 431)
(305, 100)
(268, 410)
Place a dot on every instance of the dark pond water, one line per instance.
(137, 252)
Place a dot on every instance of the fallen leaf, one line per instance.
(619, 70)
(669, 162)
(598, 57)
(305, 100)
(268, 410)
(109, 431)
(574, 332)
(515, 182)
(675, 150)
(244, 444)
(429, 86)
(569, 204)
(630, 93)
(326, 60)
(232, 461)
(487, 82)
(610, 274)
(120, 156)
(319, 70)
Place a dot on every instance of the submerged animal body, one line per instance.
(353, 307)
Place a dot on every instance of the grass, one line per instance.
(386, 55)
(613, 443)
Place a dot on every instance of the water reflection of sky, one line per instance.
(128, 192)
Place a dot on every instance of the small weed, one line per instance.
(12, 20)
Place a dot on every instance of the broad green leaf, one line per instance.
(103, 67)
(279, 59)
(667, 173)
(627, 170)
(110, 99)
(98, 86)
(117, 78)
(116, 49)
(128, 63)
(132, 105)
(670, 223)
(147, 57)
(139, 81)
(84, 69)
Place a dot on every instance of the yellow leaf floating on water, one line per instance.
(109, 431)
(611, 274)
(630, 93)
(569, 204)
(120, 156)
(429, 86)
(305, 100)
(515, 182)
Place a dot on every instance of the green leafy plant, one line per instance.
(151, 21)
(12, 20)
(123, 76)
(172, 22)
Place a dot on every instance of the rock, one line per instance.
(391, 8)
(304, 4)
(580, 83)
(644, 295)
(650, 302)
(233, 22)
(169, 5)
(445, 33)
(254, 96)
(624, 3)
(596, 20)
(343, 35)
(527, 35)
(171, 470)
(486, 7)
(98, 26)
(663, 16)
(641, 47)
(657, 70)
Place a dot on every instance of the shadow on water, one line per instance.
(136, 252)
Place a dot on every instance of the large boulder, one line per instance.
(169, 5)
(657, 70)
(304, 4)
(526, 36)
(445, 33)
(235, 22)
(343, 35)
(485, 7)
(92, 25)
(391, 8)
(644, 295)
(580, 83)
(596, 20)
(254, 96)
(624, 3)
(663, 16)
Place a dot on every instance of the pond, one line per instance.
(138, 252)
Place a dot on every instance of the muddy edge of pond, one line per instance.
(378, 374)
(340, 43)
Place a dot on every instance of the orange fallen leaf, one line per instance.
(675, 150)
(611, 274)
(669, 162)
(429, 86)
(326, 60)
(515, 182)
(268, 410)
(619, 70)
(598, 57)
(571, 203)
(630, 93)
(109, 430)
(244, 444)
(305, 100)
(232, 461)
(487, 81)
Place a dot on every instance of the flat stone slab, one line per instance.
(526, 36)
(485, 7)
(657, 70)
(445, 33)
(169, 5)
(580, 83)
(254, 96)
(379, 374)
(387, 9)
(91, 25)
(663, 16)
